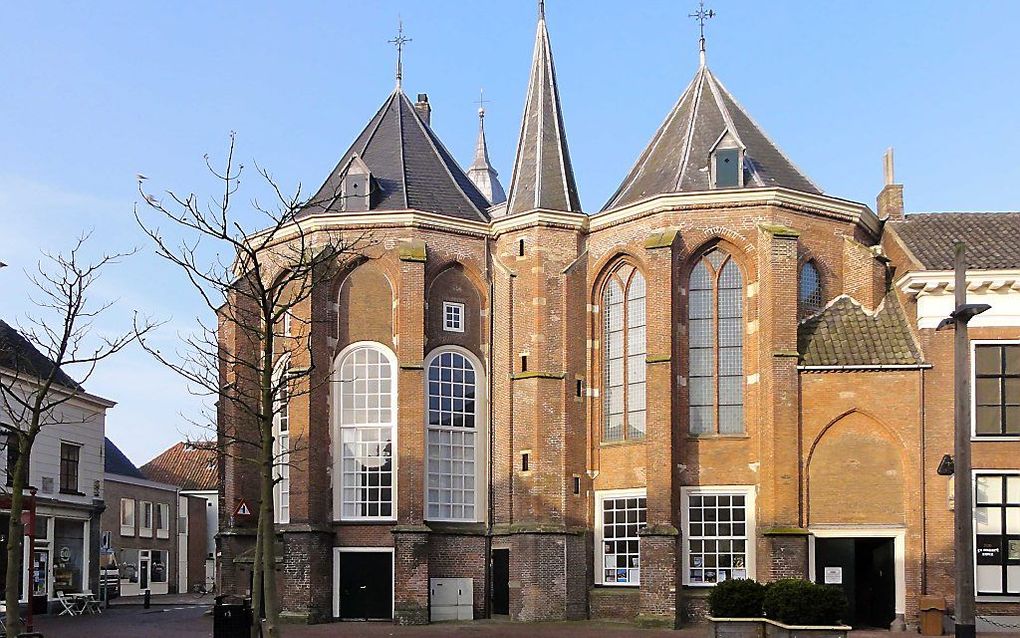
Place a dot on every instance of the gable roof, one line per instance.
(677, 158)
(19, 355)
(189, 466)
(846, 334)
(543, 176)
(411, 169)
(993, 239)
(116, 462)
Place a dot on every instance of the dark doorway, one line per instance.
(366, 585)
(501, 582)
(866, 570)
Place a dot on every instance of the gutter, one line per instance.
(897, 366)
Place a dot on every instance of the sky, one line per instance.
(92, 94)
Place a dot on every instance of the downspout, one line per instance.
(924, 491)
(492, 429)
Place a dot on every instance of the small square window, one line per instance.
(453, 316)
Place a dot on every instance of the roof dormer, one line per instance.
(356, 187)
(726, 161)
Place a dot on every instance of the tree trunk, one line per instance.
(267, 523)
(16, 541)
(256, 586)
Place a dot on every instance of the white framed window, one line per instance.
(127, 517)
(997, 533)
(365, 418)
(995, 391)
(281, 447)
(455, 429)
(288, 321)
(453, 316)
(145, 527)
(718, 532)
(619, 516)
(162, 520)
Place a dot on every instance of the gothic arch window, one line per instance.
(623, 355)
(281, 444)
(455, 436)
(809, 289)
(365, 417)
(715, 345)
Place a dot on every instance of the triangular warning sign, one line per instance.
(242, 508)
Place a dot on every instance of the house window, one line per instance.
(145, 529)
(367, 422)
(287, 324)
(127, 517)
(622, 515)
(158, 566)
(810, 289)
(997, 534)
(69, 456)
(162, 520)
(623, 356)
(12, 457)
(453, 429)
(997, 389)
(453, 316)
(715, 345)
(281, 448)
(718, 525)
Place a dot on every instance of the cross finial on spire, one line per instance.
(399, 42)
(481, 103)
(702, 15)
(541, 9)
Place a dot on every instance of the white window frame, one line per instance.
(599, 558)
(337, 429)
(973, 389)
(458, 309)
(336, 574)
(281, 450)
(128, 530)
(143, 530)
(161, 511)
(481, 434)
(749, 493)
(987, 598)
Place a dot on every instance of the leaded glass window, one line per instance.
(452, 438)
(623, 356)
(281, 447)
(367, 420)
(715, 316)
(810, 289)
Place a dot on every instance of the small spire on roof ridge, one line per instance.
(399, 41)
(541, 9)
(702, 15)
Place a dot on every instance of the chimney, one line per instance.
(890, 200)
(424, 108)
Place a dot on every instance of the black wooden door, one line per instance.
(366, 585)
(501, 582)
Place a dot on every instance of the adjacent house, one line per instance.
(192, 468)
(66, 476)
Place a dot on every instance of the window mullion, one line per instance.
(625, 363)
(715, 347)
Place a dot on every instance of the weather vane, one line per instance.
(702, 15)
(399, 42)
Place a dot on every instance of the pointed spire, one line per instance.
(543, 176)
(481, 173)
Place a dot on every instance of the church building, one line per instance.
(548, 413)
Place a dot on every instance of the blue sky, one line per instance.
(93, 93)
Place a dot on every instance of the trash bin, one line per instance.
(933, 610)
(232, 617)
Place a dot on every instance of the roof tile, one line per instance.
(190, 466)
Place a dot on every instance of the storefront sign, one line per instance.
(833, 576)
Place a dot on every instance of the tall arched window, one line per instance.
(715, 341)
(810, 289)
(623, 355)
(281, 445)
(366, 416)
(453, 459)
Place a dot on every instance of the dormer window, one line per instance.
(727, 162)
(356, 187)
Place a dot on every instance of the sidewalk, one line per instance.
(173, 600)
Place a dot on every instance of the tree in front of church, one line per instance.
(46, 365)
(251, 266)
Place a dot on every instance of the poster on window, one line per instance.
(739, 573)
(1014, 549)
(989, 549)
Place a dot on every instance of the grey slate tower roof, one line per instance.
(677, 158)
(481, 173)
(411, 169)
(543, 176)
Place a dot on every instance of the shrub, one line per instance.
(736, 599)
(800, 602)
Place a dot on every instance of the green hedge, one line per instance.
(800, 602)
(736, 599)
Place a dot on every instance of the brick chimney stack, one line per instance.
(424, 108)
(890, 200)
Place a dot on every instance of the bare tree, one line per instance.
(36, 385)
(251, 281)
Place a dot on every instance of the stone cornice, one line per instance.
(941, 282)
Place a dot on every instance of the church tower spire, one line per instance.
(543, 176)
(481, 173)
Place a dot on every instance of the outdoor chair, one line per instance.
(70, 605)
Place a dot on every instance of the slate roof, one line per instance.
(993, 239)
(118, 463)
(188, 466)
(19, 355)
(543, 176)
(677, 158)
(481, 173)
(846, 334)
(411, 169)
